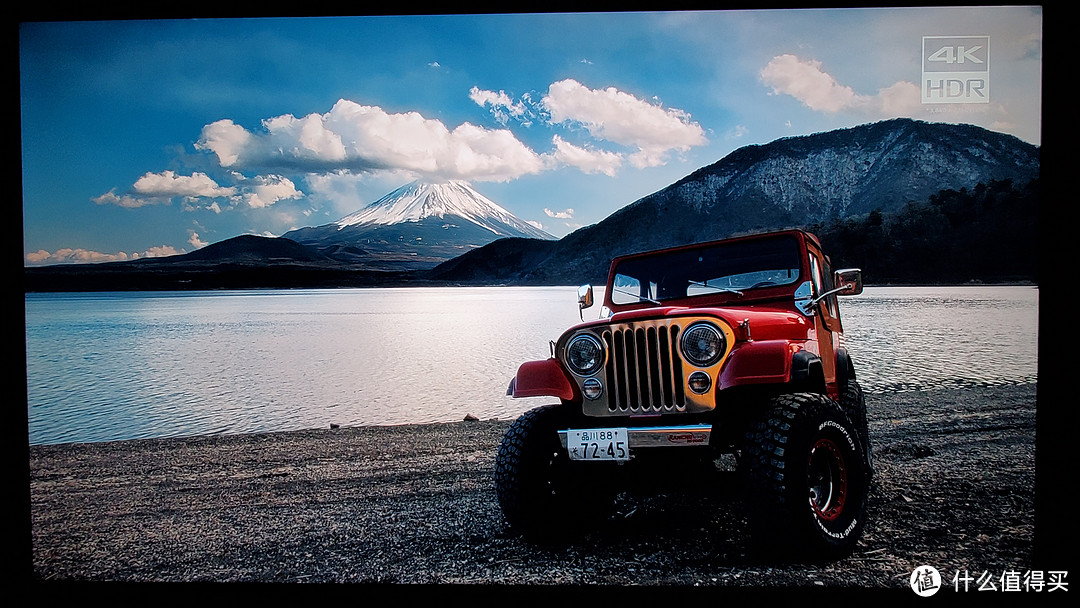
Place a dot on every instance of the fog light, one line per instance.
(592, 389)
(699, 382)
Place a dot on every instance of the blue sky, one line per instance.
(146, 138)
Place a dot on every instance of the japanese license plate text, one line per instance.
(598, 444)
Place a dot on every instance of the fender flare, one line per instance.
(845, 369)
(542, 379)
(808, 370)
(803, 364)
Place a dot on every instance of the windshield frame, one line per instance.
(788, 248)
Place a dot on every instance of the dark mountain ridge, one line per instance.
(242, 262)
(244, 249)
(793, 182)
(878, 191)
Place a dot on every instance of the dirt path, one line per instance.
(955, 488)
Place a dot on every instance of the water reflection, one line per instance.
(118, 366)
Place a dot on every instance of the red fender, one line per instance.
(760, 362)
(541, 379)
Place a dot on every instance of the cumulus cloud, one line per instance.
(360, 138)
(194, 240)
(613, 115)
(586, 160)
(161, 188)
(226, 139)
(199, 191)
(806, 81)
(265, 190)
(168, 184)
(354, 141)
(84, 256)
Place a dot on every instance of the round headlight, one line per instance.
(702, 344)
(584, 355)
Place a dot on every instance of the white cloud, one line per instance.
(900, 99)
(588, 161)
(359, 138)
(806, 81)
(619, 117)
(161, 188)
(159, 252)
(265, 190)
(561, 215)
(168, 184)
(194, 240)
(84, 256)
(128, 201)
(198, 191)
(226, 139)
(501, 104)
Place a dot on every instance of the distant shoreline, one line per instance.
(73, 281)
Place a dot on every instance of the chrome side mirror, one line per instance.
(849, 280)
(584, 299)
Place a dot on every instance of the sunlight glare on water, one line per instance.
(112, 366)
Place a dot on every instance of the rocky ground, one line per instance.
(955, 488)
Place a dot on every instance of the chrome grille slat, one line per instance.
(644, 371)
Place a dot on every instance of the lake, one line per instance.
(114, 366)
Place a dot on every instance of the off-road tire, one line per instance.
(541, 492)
(853, 402)
(806, 478)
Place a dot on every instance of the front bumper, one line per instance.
(694, 435)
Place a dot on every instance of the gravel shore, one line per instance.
(955, 488)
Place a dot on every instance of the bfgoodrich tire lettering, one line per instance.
(806, 477)
(854, 405)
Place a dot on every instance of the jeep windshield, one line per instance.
(732, 268)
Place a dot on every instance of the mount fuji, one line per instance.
(417, 226)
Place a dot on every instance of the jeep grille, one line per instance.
(644, 369)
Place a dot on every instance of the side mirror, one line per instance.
(584, 298)
(849, 280)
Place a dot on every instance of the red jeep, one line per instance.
(727, 347)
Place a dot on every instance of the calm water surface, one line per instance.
(110, 366)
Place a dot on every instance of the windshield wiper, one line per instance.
(634, 295)
(727, 289)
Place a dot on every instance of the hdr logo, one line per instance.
(956, 69)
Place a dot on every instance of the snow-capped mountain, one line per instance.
(418, 225)
(419, 201)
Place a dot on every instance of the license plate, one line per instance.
(597, 444)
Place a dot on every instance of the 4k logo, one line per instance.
(956, 69)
